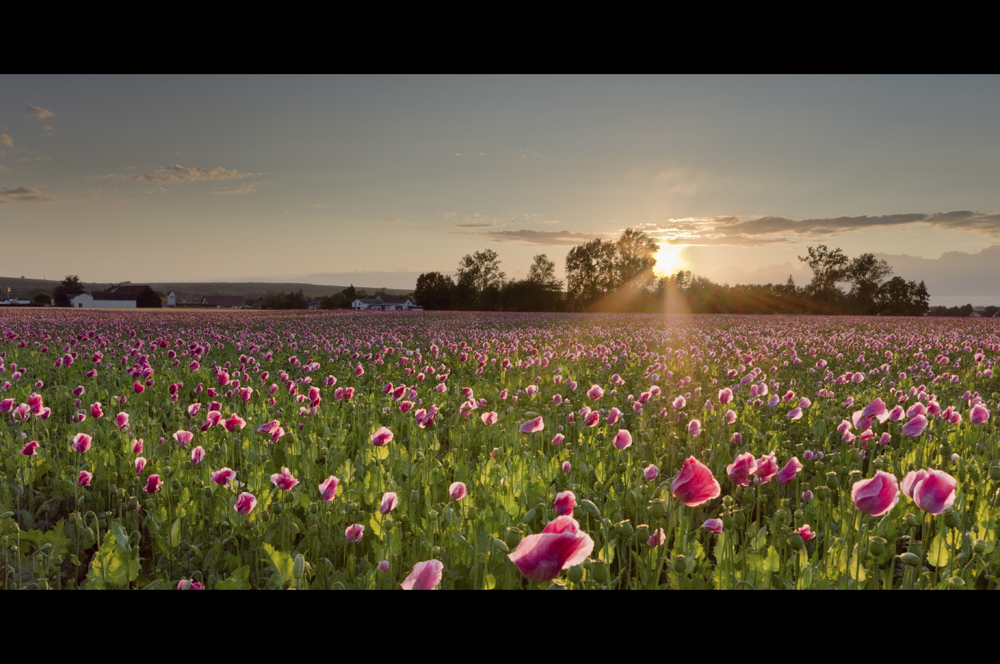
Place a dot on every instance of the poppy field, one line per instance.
(343, 450)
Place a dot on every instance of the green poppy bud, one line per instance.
(910, 558)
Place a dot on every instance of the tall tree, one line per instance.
(480, 279)
(67, 289)
(828, 268)
(434, 290)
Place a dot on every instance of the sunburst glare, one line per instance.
(668, 260)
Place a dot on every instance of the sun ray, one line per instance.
(668, 260)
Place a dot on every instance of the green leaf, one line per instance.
(175, 534)
(282, 562)
(111, 566)
(937, 554)
(772, 563)
(56, 537)
(760, 539)
(238, 580)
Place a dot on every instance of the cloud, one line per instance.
(49, 131)
(178, 173)
(26, 195)
(247, 188)
(540, 238)
(391, 219)
(2, 167)
(5, 139)
(756, 231)
(479, 225)
(528, 154)
(39, 112)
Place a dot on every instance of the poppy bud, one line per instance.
(655, 508)
(414, 497)
(995, 473)
(626, 529)
(952, 520)
(299, 566)
(832, 482)
(513, 537)
(575, 574)
(590, 508)
(680, 564)
(911, 520)
(599, 572)
(876, 545)
(910, 558)
(796, 541)
(740, 519)
(727, 521)
(979, 546)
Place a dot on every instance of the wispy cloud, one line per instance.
(26, 195)
(39, 112)
(247, 188)
(539, 238)
(529, 154)
(5, 139)
(757, 231)
(49, 132)
(178, 173)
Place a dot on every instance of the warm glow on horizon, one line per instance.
(668, 260)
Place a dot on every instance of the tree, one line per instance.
(828, 268)
(42, 300)
(67, 289)
(543, 272)
(434, 290)
(590, 270)
(480, 278)
(636, 257)
(866, 274)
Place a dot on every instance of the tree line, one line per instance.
(617, 276)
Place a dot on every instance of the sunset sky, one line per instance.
(375, 179)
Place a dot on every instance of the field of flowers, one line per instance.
(324, 450)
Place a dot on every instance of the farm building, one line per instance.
(119, 297)
(385, 303)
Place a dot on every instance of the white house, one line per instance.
(385, 303)
(118, 297)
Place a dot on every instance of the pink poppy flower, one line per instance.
(725, 395)
(979, 414)
(381, 437)
(567, 466)
(245, 503)
(767, 467)
(788, 473)
(328, 488)
(389, 502)
(153, 484)
(592, 419)
(121, 421)
(189, 584)
(84, 478)
(489, 418)
(623, 439)
(223, 476)
(558, 439)
(741, 469)
(269, 427)
(30, 448)
(729, 417)
(657, 538)
(559, 546)
(695, 484)
(650, 472)
(595, 392)
(694, 428)
(713, 525)
(932, 490)
(383, 566)
(805, 532)
(234, 422)
(424, 576)
(896, 414)
(533, 426)
(183, 437)
(877, 495)
(915, 427)
(81, 443)
(565, 502)
(457, 491)
(795, 414)
(284, 480)
(197, 454)
(354, 533)
(140, 464)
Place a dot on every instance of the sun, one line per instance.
(668, 260)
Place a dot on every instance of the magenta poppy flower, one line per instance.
(245, 503)
(489, 418)
(30, 448)
(457, 491)
(424, 576)
(623, 439)
(725, 395)
(932, 490)
(153, 484)
(121, 421)
(741, 469)
(354, 533)
(657, 538)
(140, 464)
(81, 443)
(805, 532)
(877, 495)
(284, 480)
(595, 392)
(383, 566)
(381, 437)
(234, 422)
(788, 473)
(979, 414)
(329, 488)
(84, 478)
(559, 546)
(650, 472)
(694, 428)
(795, 414)
(565, 502)
(567, 466)
(876, 409)
(695, 484)
(197, 454)
(896, 414)
(189, 584)
(533, 426)
(389, 502)
(713, 525)
(223, 476)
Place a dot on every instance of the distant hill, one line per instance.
(186, 292)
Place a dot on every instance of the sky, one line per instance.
(372, 180)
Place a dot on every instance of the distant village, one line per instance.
(131, 296)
